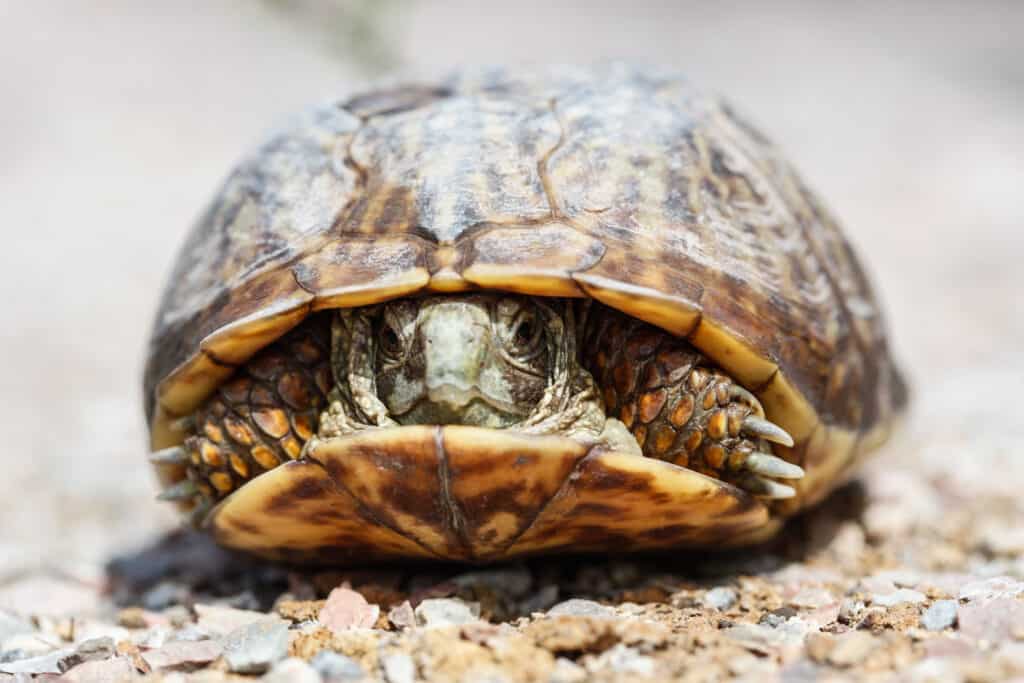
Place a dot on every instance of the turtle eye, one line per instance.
(524, 334)
(389, 342)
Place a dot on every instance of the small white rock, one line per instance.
(988, 589)
(446, 612)
(720, 598)
(335, 667)
(254, 648)
(899, 597)
(217, 620)
(623, 659)
(577, 607)
(851, 609)
(812, 597)
(51, 663)
(398, 668)
(292, 670)
(940, 616)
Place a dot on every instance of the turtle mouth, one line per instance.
(449, 405)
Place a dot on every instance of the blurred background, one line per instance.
(119, 119)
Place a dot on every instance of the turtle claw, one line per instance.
(183, 490)
(766, 488)
(175, 455)
(772, 466)
(738, 392)
(763, 429)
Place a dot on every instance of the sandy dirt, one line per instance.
(119, 120)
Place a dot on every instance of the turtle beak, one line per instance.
(456, 373)
(456, 341)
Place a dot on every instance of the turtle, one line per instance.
(515, 311)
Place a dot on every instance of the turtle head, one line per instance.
(479, 360)
(493, 360)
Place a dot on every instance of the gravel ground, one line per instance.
(120, 118)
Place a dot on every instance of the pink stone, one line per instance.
(992, 620)
(346, 609)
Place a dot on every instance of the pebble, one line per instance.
(335, 667)
(812, 598)
(720, 598)
(446, 612)
(133, 617)
(765, 639)
(940, 616)
(254, 648)
(402, 616)
(822, 616)
(777, 617)
(398, 668)
(101, 671)
(877, 585)
(178, 616)
(992, 620)
(183, 652)
(95, 648)
(899, 597)
(819, 645)
(217, 620)
(988, 589)
(852, 648)
(292, 670)
(51, 663)
(347, 609)
(152, 639)
(578, 607)
(90, 629)
(622, 659)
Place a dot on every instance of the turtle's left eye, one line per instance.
(523, 334)
(390, 342)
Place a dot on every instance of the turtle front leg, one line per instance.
(260, 418)
(681, 408)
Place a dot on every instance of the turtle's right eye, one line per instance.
(389, 341)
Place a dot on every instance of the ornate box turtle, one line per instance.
(514, 313)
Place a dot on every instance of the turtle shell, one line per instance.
(621, 184)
